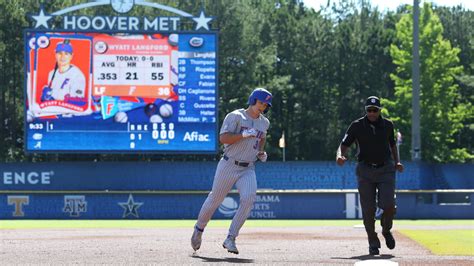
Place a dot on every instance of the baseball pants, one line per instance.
(227, 174)
(376, 188)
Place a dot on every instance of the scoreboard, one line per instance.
(101, 92)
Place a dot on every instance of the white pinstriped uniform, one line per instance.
(71, 82)
(228, 173)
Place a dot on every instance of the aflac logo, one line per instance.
(196, 136)
(228, 207)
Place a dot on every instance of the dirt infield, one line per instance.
(325, 245)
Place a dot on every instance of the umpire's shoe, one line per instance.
(373, 250)
(196, 239)
(374, 244)
(389, 240)
(229, 244)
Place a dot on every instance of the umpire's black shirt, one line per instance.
(374, 139)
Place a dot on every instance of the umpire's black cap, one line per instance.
(373, 101)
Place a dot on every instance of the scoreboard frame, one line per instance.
(215, 150)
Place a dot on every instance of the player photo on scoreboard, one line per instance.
(61, 78)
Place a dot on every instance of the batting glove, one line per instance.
(262, 156)
(248, 133)
(47, 94)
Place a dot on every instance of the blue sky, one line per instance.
(393, 4)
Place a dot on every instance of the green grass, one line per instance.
(444, 242)
(30, 224)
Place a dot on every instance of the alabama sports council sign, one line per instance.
(120, 83)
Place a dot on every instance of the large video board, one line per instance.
(105, 92)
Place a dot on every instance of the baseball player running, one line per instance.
(243, 135)
(65, 80)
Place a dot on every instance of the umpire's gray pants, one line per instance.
(376, 188)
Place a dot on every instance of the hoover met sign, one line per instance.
(43, 20)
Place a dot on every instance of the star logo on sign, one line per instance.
(42, 19)
(202, 21)
(130, 207)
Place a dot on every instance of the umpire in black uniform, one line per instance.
(377, 162)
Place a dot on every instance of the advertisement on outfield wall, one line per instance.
(120, 84)
(140, 205)
(162, 206)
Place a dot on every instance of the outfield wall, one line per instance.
(186, 205)
(192, 176)
(292, 190)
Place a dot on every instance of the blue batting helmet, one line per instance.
(262, 95)
(64, 47)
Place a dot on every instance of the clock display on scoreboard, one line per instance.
(104, 93)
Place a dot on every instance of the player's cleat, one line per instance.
(229, 244)
(373, 251)
(389, 240)
(196, 239)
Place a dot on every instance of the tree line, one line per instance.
(319, 65)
